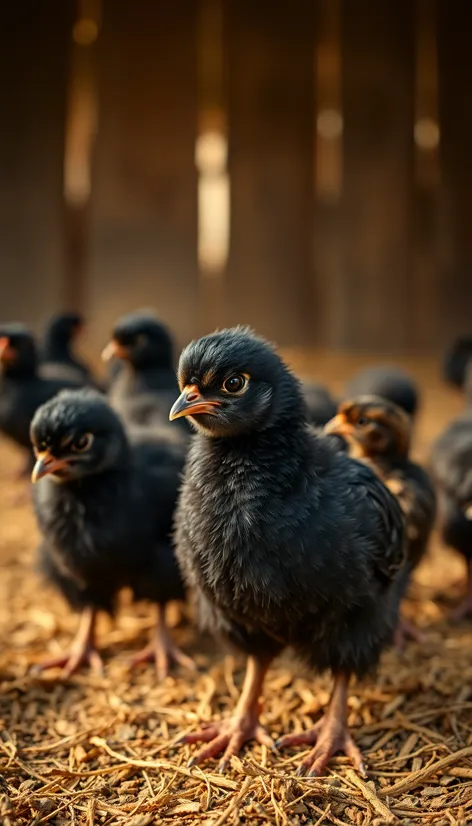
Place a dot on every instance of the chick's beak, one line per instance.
(191, 402)
(6, 351)
(339, 426)
(45, 465)
(114, 350)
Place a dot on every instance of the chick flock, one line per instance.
(291, 519)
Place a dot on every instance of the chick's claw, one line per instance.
(163, 652)
(228, 736)
(329, 736)
(405, 631)
(71, 661)
(463, 611)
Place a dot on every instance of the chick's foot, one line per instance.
(464, 609)
(329, 736)
(162, 650)
(229, 736)
(407, 631)
(82, 650)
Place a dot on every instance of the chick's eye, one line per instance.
(362, 420)
(82, 443)
(234, 384)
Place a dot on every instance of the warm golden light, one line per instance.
(211, 152)
(85, 32)
(427, 134)
(329, 124)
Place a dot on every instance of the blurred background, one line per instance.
(303, 167)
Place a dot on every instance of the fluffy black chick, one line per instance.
(145, 387)
(22, 388)
(451, 466)
(388, 382)
(456, 362)
(378, 432)
(287, 541)
(320, 404)
(104, 506)
(58, 357)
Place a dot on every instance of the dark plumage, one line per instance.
(287, 541)
(105, 511)
(320, 404)
(389, 382)
(378, 433)
(58, 357)
(22, 388)
(451, 465)
(456, 361)
(144, 388)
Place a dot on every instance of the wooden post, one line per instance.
(270, 50)
(378, 108)
(34, 45)
(455, 79)
(143, 250)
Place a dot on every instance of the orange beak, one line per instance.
(339, 426)
(114, 350)
(191, 403)
(45, 465)
(7, 353)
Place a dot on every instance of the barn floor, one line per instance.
(102, 751)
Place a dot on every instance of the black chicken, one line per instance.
(378, 433)
(457, 360)
(22, 388)
(451, 465)
(145, 387)
(58, 357)
(388, 382)
(287, 541)
(104, 507)
(320, 404)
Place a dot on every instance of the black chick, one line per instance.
(320, 404)
(104, 507)
(22, 388)
(457, 360)
(451, 466)
(388, 382)
(146, 385)
(58, 357)
(378, 433)
(287, 541)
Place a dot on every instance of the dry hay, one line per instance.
(103, 751)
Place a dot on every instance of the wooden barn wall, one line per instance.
(271, 91)
(144, 200)
(378, 111)
(389, 291)
(34, 41)
(455, 83)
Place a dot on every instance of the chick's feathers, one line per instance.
(109, 528)
(451, 464)
(286, 539)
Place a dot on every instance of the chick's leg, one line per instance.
(406, 630)
(229, 736)
(82, 650)
(464, 610)
(162, 650)
(330, 734)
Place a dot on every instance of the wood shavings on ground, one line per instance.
(101, 751)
